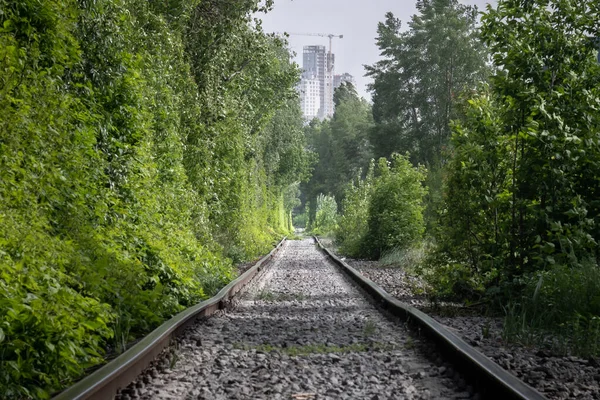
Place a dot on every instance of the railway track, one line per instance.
(306, 327)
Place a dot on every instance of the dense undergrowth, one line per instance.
(137, 161)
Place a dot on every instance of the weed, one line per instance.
(485, 330)
(265, 295)
(174, 356)
(545, 315)
(121, 329)
(369, 328)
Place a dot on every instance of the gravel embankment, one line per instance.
(301, 331)
(556, 377)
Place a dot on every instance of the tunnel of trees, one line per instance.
(146, 147)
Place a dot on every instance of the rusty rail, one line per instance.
(104, 383)
(492, 381)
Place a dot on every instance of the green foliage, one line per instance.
(384, 211)
(137, 159)
(353, 222)
(396, 206)
(477, 194)
(423, 71)
(558, 309)
(520, 222)
(547, 92)
(341, 145)
(522, 187)
(300, 220)
(326, 215)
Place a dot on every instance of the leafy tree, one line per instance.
(353, 222)
(134, 167)
(477, 196)
(423, 71)
(341, 144)
(522, 193)
(350, 126)
(548, 91)
(326, 215)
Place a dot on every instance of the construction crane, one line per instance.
(327, 94)
(328, 35)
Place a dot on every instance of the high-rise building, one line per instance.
(319, 82)
(310, 97)
(345, 77)
(318, 64)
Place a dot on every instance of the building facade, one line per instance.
(318, 64)
(345, 77)
(310, 97)
(319, 82)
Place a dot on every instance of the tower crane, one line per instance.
(328, 35)
(327, 94)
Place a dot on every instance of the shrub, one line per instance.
(353, 223)
(326, 215)
(396, 207)
(300, 220)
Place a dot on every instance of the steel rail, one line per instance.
(104, 383)
(492, 381)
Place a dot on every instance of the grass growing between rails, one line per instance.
(312, 349)
(267, 295)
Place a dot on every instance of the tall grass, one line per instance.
(559, 310)
(408, 259)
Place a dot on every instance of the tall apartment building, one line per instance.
(345, 77)
(318, 65)
(310, 97)
(319, 82)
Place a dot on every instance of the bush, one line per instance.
(353, 223)
(326, 215)
(300, 220)
(396, 207)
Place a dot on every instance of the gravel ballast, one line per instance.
(554, 376)
(300, 331)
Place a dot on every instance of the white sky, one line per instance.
(355, 19)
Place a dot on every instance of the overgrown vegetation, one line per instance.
(510, 202)
(146, 146)
(137, 160)
(384, 211)
(342, 147)
(325, 215)
(558, 310)
(522, 189)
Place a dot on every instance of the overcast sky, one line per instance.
(355, 19)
